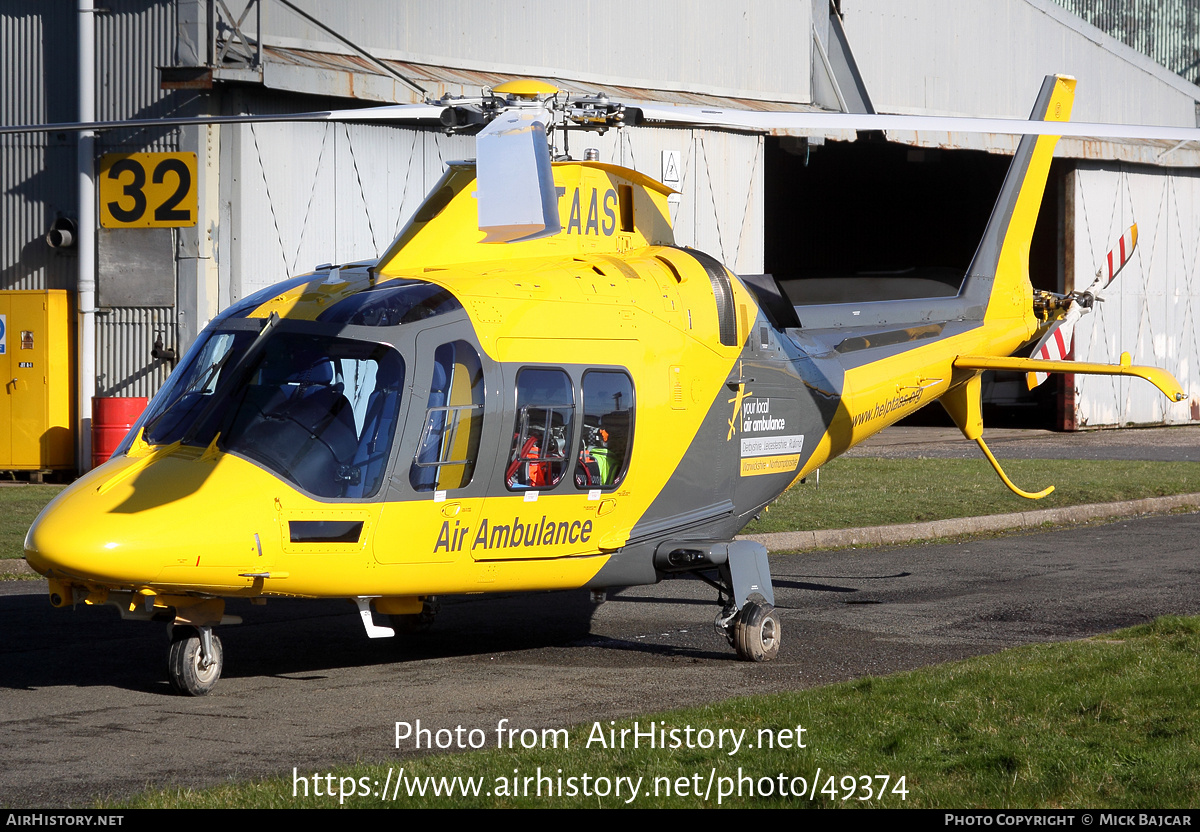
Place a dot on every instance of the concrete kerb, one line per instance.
(913, 532)
(934, 530)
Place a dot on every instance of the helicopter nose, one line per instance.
(75, 540)
(128, 521)
(55, 545)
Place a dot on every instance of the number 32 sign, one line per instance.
(148, 190)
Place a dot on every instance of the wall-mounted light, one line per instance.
(62, 234)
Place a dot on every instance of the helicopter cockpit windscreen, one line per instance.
(319, 411)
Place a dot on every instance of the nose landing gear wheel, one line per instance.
(756, 632)
(189, 670)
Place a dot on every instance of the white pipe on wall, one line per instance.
(86, 288)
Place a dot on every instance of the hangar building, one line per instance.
(273, 201)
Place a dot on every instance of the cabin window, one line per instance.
(449, 442)
(542, 434)
(607, 436)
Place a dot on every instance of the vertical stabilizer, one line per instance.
(998, 277)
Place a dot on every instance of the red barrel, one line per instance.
(112, 417)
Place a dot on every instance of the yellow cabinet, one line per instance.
(36, 337)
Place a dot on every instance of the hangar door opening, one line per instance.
(877, 220)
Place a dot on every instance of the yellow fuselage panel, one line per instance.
(180, 512)
(602, 209)
(588, 311)
(653, 319)
(221, 525)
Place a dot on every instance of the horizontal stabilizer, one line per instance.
(1160, 378)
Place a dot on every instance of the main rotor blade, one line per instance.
(515, 184)
(759, 121)
(390, 113)
(639, 113)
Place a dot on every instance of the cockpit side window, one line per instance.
(542, 435)
(449, 442)
(190, 388)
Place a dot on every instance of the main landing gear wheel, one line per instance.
(190, 671)
(417, 622)
(756, 632)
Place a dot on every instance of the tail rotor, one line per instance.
(1057, 344)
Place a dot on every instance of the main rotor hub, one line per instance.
(525, 90)
(590, 112)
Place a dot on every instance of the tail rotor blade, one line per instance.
(1119, 255)
(1056, 345)
(1058, 342)
(1116, 260)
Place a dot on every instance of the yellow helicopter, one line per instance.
(533, 388)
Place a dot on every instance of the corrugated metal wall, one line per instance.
(124, 339)
(1168, 31)
(37, 172)
(1151, 308)
(133, 39)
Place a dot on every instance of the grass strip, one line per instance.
(856, 492)
(1108, 722)
(19, 506)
